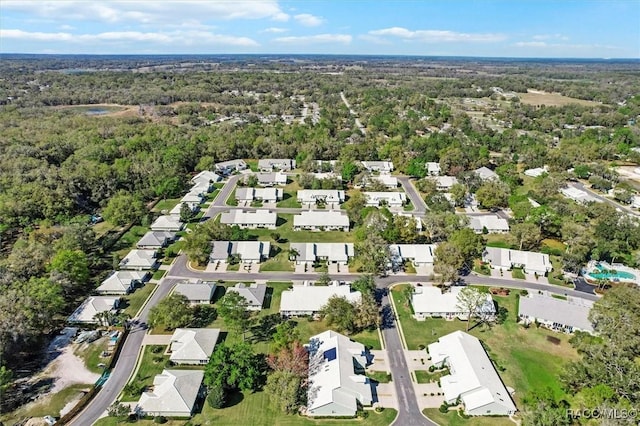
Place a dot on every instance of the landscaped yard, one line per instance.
(530, 360)
(129, 239)
(152, 363)
(135, 300)
(287, 234)
(452, 418)
(165, 205)
(289, 200)
(379, 376)
(518, 274)
(279, 260)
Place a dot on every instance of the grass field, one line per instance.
(551, 99)
(129, 239)
(151, 365)
(518, 274)
(287, 234)
(157, 275)
(135, 300)
(530, 360)
(453, 419)
(279, 259)
(166, 205)
(289, 200)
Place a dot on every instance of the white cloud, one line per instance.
(175, 38)
(274, 30)
(565, 46)
(308, 20)
(318, 38)
(147, 12)
(435, 36)
(541, 37)
(67, 27)
(531, 44)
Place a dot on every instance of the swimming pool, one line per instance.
(608, 274)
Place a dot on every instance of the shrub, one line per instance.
(444, 408)
(216, 397)
(421, 347)
(432, 369)
(160, 420)
(379, 409)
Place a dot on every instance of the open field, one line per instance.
(551, 99)
(530, 361)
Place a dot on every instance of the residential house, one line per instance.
(177, 209)
(538, 171)
(205, 178)
(493, 224)
(378, 166)
(155, 240)
(473, 380)
(390, 182)
(432, 168)
(250, 219)
(326, 175)
(122, 282)
(390, 199)
(326, 196)
(310, 253)
(139, 260)
(560, 313)
(418, 254)
(321, 220)
(444, 183)
(271, 164)
(485, 174)
(197, 292)
(308, 299)
(417, 219)
(253, 293)
(167, 223)
(249, 251)
(578, 195)
(428, 301)
(271, 179)
(266, 195)
(174, 394)
(226, 168)
(635, 202)
(92, 306)
(531, 262)
(193, 346)
(194, 197)
(337, 384)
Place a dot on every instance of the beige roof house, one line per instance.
(174, 394)
(193, 345)
(319, 220)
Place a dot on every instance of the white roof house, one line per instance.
(319, 220)
(167, 223)
(335, 385)
(175, 211)
(444, 183)
(254, 294)
(271, 179)
(579, 196)
(197, 292)
(326, 175)
(139, 260)
(493, 223)
(228, 167)
(486, 173)
(635, 202)
(121, 282)
(206, 177)
(269, 164)
(473, 378)
(174, 394)
(538, 171)
(531, 262)
(92, 305)
(566, 314)
(389, 181)
(193, 197)
(249, 251)
(391, 199)
(418, 254)
(312, 196)
(155, 239)
(428, 301)
(309, 300)
(250, 219)
(433, 168)
(378, 166)
(330, 252)
(267, 195)
(193, 345)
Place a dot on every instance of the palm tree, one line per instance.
(293, 254)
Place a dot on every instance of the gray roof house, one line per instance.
(433, 168)
(337, 384)
(253, 293)
(193, 345)
(493, 223)
(93, 305)
(444, 183)
(250, 219)
(428, 301)
(378, 166)
(271, 179)
(174, 394)
(197, 292)
(418, 254)
(321, 220)
(391, 199)
(270, 164)
(155, 239)
(328, 196)
(330, 252)
(249, 251)
(390, 182)
(531, 262)
(309, 299)
(485, 173)
(167, 223)
(473, 378)
(205, 178)
(231, 166)
(139, 260)
(566, 315)
(267, 195)
(122, 282)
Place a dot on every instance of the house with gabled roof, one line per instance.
(378, 166)
(428, 301)
(92, 306)
(282, 164)
(493, 224)
(566, 314)
(310, 253)
(250, 219)
(307, 299)
(337, 384)
(193, 345)
(205, 178)
(391, 199)
(266, 195)
(249, 251)
(154, 240)
(505, 259)
(167, 223)
(174, 393)
(321, 220)
(418, 254)
(271, 179)
(485, 174)
(326, 196)
(197, 292)
(122, 282)
(139, 260)
(226, 168)
(432, 168)
(253, 293)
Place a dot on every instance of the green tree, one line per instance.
(186, 214)
(416, 168)
(367, 314)
(285, 334)
(468, 243)
(285, 391)
(197, 246)
(374, 254)
(365, 284)
(354, 205)
(525, 236)
(459, 194)
(235, 367)
(349, 170)
(232, 307)
(469, 301)
(124, 208)
(73, 266)
(323, 279)
(493, 194)
(448, 262)
(341, 313)
(172, 312)
(216, 397)
(118, 410)
(6, 377)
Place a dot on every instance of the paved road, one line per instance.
(581, 186)
(125, 365)
(419, 206)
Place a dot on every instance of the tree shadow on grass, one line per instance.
(264, 328)
(233, 398)
(268, 296)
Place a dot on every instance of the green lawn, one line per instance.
(379, 376)
(453, 419)
(166, 205)
(129, 239)
(151, 365)
(289, 200)
(530, 360)
(157, 275)
(497, 240)
(518, 274)
(231, 201)
(90, 353)
(279, 259)
(287, 234)
(135, 300)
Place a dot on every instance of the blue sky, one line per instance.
(507, 28)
